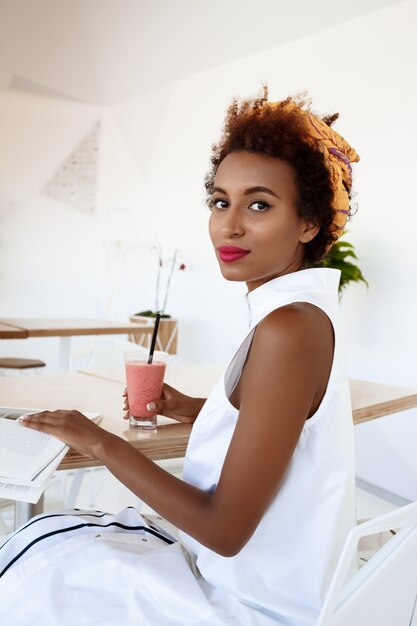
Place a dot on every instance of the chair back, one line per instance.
(383, 592)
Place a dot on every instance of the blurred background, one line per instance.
(108, 109)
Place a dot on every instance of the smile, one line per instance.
(228, 254)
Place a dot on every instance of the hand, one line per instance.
(72, 427)
(172, 404)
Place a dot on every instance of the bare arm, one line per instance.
(281, 378)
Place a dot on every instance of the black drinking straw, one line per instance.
(153, 342)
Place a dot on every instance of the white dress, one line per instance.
(93, 568)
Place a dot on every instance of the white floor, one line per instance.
(99, 490)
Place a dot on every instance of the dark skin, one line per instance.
(282, 384)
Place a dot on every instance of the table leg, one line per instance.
(24, 511)
(64, 354)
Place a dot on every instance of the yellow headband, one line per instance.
(338, 155)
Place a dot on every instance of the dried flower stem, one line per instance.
(157, 246)
(174, 259)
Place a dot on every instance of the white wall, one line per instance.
(155, 152)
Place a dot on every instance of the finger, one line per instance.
(167, 390)
(125, 392)
(158, 406)
(41, 423)
(155, 406)
(126, 415)
(44, 417)
(48, 421)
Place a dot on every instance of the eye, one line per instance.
(218, 203)
(259, 206)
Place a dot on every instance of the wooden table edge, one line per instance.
(74, 332)
(174, 449)
(380, 410)
(15, 332)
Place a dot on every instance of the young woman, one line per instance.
(268, 493)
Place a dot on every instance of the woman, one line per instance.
(268, 496)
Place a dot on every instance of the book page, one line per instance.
(23, 451)
(32, 491)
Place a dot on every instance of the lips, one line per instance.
(229, 254)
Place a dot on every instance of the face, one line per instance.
(254, 226)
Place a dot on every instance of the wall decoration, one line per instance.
(75, 180)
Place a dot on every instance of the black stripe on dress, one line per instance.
(88, 525)
(40, 519)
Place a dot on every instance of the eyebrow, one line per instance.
(250, 190)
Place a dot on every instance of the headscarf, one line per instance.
(338, 157)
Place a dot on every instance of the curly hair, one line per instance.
(279, 132)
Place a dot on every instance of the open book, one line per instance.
(28, 457)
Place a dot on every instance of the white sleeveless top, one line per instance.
(285, 568)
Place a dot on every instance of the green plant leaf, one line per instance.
(340, 257)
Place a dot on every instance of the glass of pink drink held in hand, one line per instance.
(144, 385)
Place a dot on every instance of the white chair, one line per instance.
(383, 592)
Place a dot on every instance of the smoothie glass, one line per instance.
(144, 384)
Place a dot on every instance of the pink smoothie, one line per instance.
(144, 384)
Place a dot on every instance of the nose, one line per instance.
(232, 223)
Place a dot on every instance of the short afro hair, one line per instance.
(279, 132)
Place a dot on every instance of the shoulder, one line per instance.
(290, 360)
(299, 325)
(292, 322)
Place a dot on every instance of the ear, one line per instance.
(308, 232)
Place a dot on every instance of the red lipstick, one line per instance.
(231, 253)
